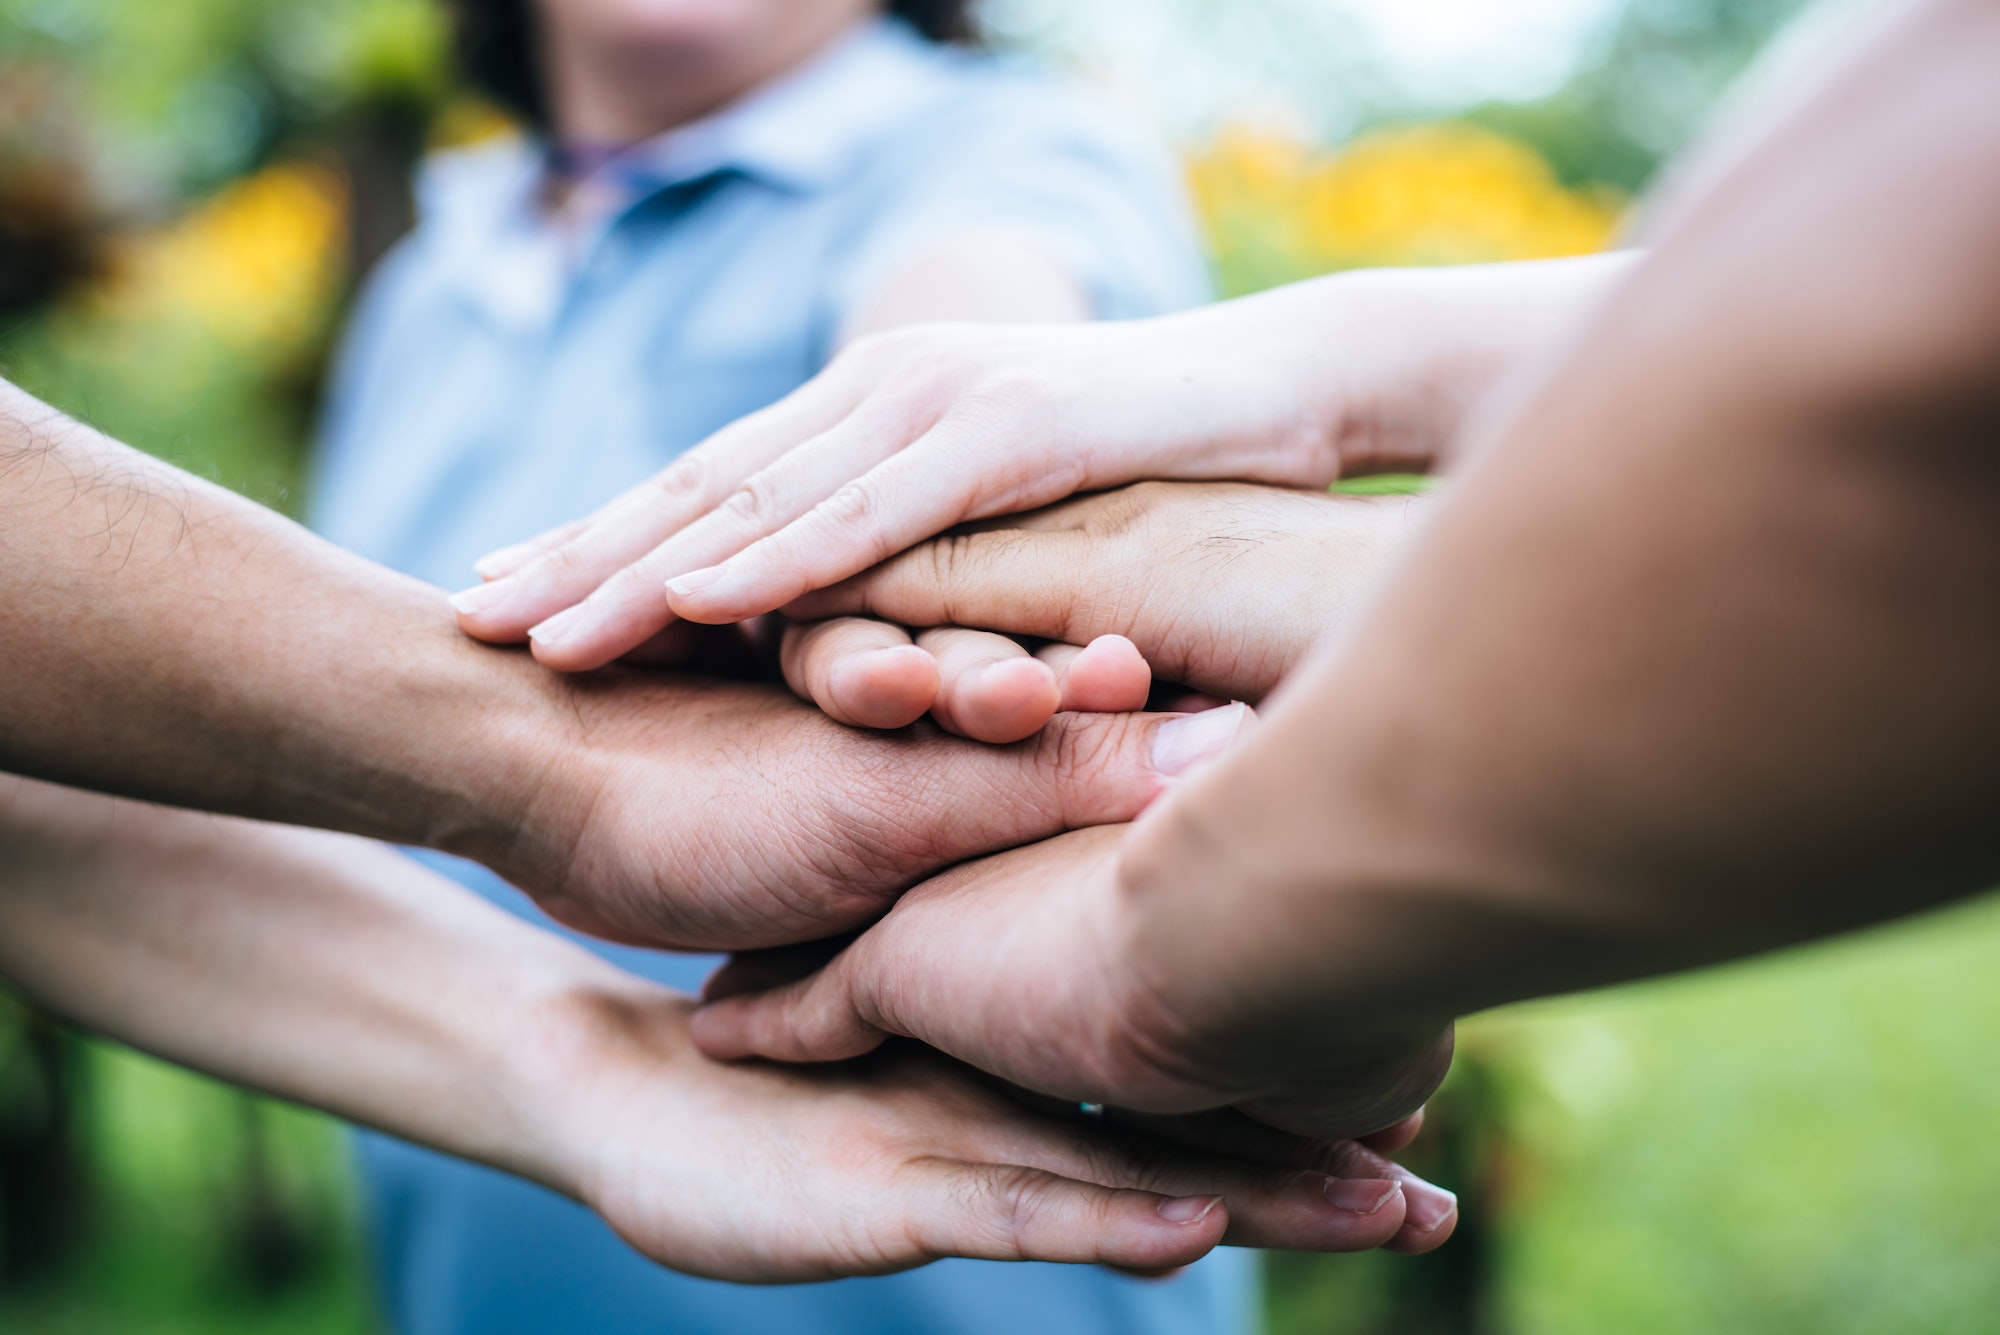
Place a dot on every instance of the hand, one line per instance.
(762, 1174)
(911, 432)
(1021, 965)
(340, 974)
(676, 812)
(1222, 587)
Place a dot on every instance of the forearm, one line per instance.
(320, 968)
(168, 640)
(1696, 660)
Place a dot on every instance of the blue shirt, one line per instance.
(504, 374)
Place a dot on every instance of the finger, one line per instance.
(943, 477)
(893, 807)
(816, 1019)
(989, 688)
(1015, 580)
(863, 672)
(1430, 1212)
(561, 569)
(1302, 1209)
(505, 561)
(1006, 1212)
(1109, 675)
(633, 601)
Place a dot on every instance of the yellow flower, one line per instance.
(256, 266)
(1428, 194)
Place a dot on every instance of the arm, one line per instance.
(331, 971)
(167, 640)
(911, 432)
(1697, 659)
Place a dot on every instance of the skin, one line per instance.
(911, 432)
(1222, 587)
(421, 1010)
(157, 628)
(1696, 660)
(620, 71)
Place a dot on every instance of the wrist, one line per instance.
(1251, 994)
(1405, 356)
(500, 768)
(585, 1049)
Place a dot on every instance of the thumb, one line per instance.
(813, 1020)
(1107, 768)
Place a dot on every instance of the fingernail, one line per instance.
(558, 627)
(695, 581)
(481, 597)
(1429, 1207)
(1362, 1196)
(505, 558)
(1188, 1209)
(1182, 743)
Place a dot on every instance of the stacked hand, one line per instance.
(911, 433)
(1024, 965)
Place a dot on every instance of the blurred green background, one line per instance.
(188, 193)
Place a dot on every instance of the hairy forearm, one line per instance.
(1696, 660)
(168, 640)
(317, 967)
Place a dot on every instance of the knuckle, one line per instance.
(855, 511)
(1016, 1198)
(754, 503)
(687, 479)
(1077, 747)
(568, 564)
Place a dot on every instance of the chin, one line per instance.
(685, 27)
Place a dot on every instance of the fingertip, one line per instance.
(1168, 1232)
(482, 611)
(504, 561)
(727, 593)
(1005, 701)
(883, 688)
(717, 1030)
(1109, 676)
(1428, 1219)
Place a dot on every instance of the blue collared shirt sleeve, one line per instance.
(1051, 166)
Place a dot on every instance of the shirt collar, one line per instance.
(807, 128)
(803, 132)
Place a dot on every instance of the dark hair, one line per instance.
(496, 41)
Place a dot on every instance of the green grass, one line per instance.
(186, 1179)
(1805, 1143)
